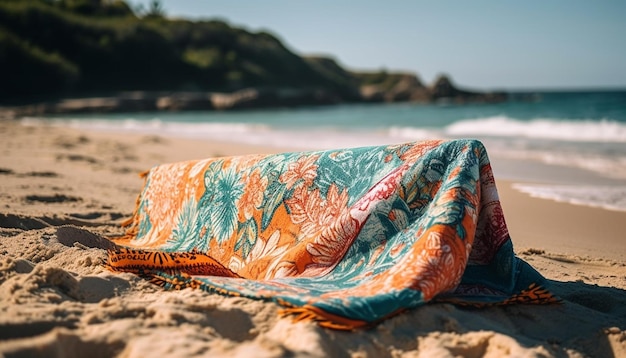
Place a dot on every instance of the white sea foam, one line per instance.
(541, 128)
(609, 165)
(604, 131)
(248, 133)
(414, 134)
(606, 197)
(598, 147)
(155, 126)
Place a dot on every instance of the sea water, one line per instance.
(565, 146)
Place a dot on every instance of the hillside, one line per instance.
(54, 49)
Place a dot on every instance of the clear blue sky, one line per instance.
(481, 44)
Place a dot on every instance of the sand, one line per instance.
(56, 298)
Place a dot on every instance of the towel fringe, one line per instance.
(309, 313)
(535, 295)
(177, 281)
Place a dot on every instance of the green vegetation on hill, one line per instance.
(53, 49)
(69, 47)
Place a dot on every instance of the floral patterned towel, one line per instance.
(344, 237)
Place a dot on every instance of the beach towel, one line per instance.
(343, 237)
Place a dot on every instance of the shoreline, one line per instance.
(53, 297)
(254, 97)
(514, 200)
(506, 173)
(567, 181)
(562, 228)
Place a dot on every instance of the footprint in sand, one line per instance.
(43, 174)
(22, 222)
(10, 221)
(71, 142)
(56, 198)
(97, 215)
(70, 235)
(154, 139)
(77, 158)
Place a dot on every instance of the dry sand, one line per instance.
(57, 184)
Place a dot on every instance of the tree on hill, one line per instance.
(155, 9)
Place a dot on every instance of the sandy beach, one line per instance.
(57, 299)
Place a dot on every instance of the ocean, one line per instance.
(566, 146)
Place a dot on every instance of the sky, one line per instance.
(481, 44)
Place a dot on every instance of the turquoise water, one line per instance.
(565, 140)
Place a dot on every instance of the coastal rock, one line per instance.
(443, 89)
(123, 102)
(399, 87)
(273, 97)
(372, 93)
(395, 88)
(392, 87)
(185, 101)
(407, 88)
